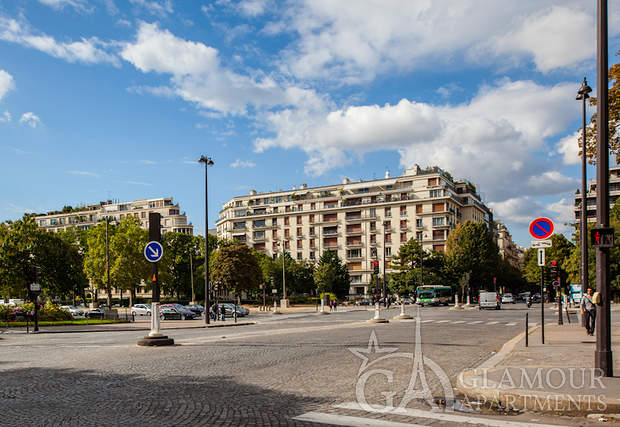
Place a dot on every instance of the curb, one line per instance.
(148, 329)
(538, 401)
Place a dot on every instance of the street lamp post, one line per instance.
(208, 162)
(603, 359)
(582, 95)
(283, 303)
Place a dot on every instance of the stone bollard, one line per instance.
(457, 306)
(377, 318)
(322, 310)
(275, 308)
(402, 315)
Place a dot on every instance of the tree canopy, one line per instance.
(236, 268)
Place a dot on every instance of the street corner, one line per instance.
(567, 391)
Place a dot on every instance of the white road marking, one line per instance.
(475, 322)
(491, 323)
(345, 420)
(446, 416)
(458, 321)
(511, 324)
(442, 321)
(426, 321)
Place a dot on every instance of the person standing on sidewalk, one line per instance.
(588, 309)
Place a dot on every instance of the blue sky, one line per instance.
(110, 99)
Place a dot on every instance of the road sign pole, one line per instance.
(542, 303)
(153, 253)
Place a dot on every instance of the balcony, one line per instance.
(355, 244)
(331, 246)
(354, 231)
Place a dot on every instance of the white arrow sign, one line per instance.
(541, 257)
(153, 251)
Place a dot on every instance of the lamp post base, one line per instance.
(603, 360)
(149, 341)
(377, 318)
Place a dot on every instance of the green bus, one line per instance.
(433, 295)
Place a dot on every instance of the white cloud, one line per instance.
(564, 215)
(242, 164)
(160, 8)
(146, 184)
(351, 44)
(568, 147)
(6, 83)
(489, 140)
(148, 162)
(555, 38)
(449, 89)
(6, 117)
(517, 210)
(30, 119)
(79, 5)
(199, 77)
(83, 173)
(88, 51)
(253, 7)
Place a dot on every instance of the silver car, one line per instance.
(74, 311)
(141, 310)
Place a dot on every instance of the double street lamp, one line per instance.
(582, 95)
(208, 162)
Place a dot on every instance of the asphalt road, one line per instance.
(284, 370)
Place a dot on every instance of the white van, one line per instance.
(489, 300)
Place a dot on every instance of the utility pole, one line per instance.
(603, 358)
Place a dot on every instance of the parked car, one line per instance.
(536, 297)
(74, 311)
(508, 299)
(16, 301)
(196, 308)
(365, 301)
(489, 300)
(141, 310)
(169, 313)
(523, 296)
(96, 313)
(185, 313)
(230, 308)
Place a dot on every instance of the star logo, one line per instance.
(373, 348)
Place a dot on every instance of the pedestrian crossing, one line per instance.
(474, 322)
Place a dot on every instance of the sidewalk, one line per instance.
(557, 377)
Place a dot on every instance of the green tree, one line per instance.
(470, 249)
(409, 263)
(95, 262)
(127, 264)
(562, 251)
(332, 275)
(613, 96)
(236, 268)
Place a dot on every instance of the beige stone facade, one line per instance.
(355, 218)
(508, 249)
(85, 217)
(614, 193)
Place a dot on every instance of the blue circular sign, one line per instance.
(153, 251)
(541, 228)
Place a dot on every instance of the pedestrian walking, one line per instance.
(588, 311)
(336, 305)
(331, 305)
(223, 311)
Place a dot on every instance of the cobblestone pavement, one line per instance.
(264, 374)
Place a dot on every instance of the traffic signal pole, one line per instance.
(542, 303)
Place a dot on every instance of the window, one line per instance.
(259, 223)
(388, 212)
(418, 236)
(438, 248)
(312, 243)
(403, 211)
(418, 209)
(274, 222)
(259, 235)
(299, 244)
(274, 234)
(287, 233)
(330, 217)
(312, 206)
(286, 221)
(418, 222)
(373, 226)
(439, 207)
(403, 224)
(388, 251)
(403, 237)
(312, 218)
(298, 219)
(354, 253)
(387, 225)
(239, 225)
(388, 237)
(373, 238)
(287, 245)
(432, 181)
(331, 204)
(438, 220)
(311, 255)
(372, 213)
(298, 231)
(300, 208)
(438, 234)
(435, 193)
(311, 231)
(299, 256)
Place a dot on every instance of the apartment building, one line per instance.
(508, 249)
(614, 192)
(85, 217)
(362, 220)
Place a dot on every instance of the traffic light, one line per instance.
(555, 274)
(35, 274)
(375, 265)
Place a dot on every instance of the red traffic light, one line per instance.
(554, 263)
